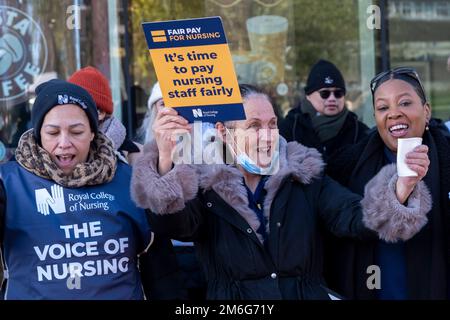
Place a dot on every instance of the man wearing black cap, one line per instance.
(321, 120)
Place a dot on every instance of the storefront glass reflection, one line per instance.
(427, 48)
(273, 42)
(41, 40)
(23, 58)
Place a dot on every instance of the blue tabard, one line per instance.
(71, 243)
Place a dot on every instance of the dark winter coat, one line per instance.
(208, 204)
(426, 253)
(129, 146)
(297, 126)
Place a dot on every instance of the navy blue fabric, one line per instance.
(59, 92)
(256, 203)
(94, 235)
(391, 258)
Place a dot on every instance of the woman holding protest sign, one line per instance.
(256, 221)
(68, 229)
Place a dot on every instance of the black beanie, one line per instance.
(58, 92)
(324, 74)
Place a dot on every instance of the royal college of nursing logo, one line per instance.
(46, 201)
(23, 53)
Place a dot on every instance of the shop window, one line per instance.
(45, 39)
(427, 49)
(442, 10)
(274, 43)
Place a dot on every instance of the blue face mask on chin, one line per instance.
(251, 167)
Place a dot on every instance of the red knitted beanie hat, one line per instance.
(97, 85)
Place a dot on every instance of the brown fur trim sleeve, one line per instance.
(383, 213)
(161, 194)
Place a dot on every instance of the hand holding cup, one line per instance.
(412, 166)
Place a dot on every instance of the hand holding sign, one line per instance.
(167, 126)
(194, 68)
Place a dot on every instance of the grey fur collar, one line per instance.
(301, 163)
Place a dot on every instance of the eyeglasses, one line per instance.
(409, 72)
(325, 94)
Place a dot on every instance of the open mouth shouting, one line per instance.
(65, 160)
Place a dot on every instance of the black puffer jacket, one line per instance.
(208, 204)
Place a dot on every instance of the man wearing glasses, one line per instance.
(321, 120)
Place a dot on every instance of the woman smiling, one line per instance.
(413, 269)
(257, 221)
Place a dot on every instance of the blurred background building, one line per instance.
(273, 43)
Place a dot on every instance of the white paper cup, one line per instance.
(404, 146)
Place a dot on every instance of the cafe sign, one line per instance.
(23, 53)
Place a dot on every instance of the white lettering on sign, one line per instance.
(77, 256)
(183, 31)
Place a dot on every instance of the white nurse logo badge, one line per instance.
(55, 201)
(23, 53)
